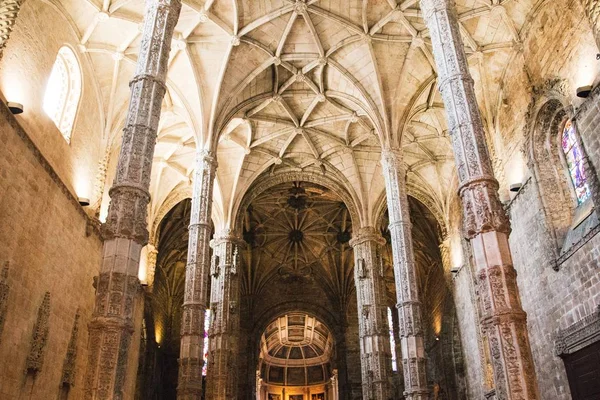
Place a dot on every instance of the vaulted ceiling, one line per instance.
(315, 85)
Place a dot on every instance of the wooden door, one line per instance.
(583, 372)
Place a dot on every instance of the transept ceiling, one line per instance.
(317, 85)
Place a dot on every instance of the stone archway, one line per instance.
(296, 351)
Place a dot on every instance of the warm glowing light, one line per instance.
(63, 91)
(143, 270)
(456, 252)
(158, 332)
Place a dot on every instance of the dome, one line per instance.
(296, 350)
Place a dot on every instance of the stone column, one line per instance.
(407, 292)
(125, 231)
(9, 10)
(486, 225)
(334, 385)
(376, 363)
(222, 374)
(196, 280)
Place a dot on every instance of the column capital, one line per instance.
(226, 235)
(367, 234)
(430, 6)
(204, 156)
(393, 158)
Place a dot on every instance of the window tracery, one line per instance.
(63, 91)
(575, 163)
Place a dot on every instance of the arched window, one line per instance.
(574, 158)
(63, 91)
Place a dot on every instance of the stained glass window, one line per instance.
(205, 349)
(63, 91)
(392, 340)
(574, 159)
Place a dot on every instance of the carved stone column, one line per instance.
(407, 292)
(9, 10)
(125, 231)
(486, 225)
(196, 280)
(222, 374)
(375, 354)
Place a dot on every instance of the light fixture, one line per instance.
(515, 187)
(437, 338)
(584, 91)
(14, 107)
(83, 202)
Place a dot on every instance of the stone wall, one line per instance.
(49, 247)
(558, 55)
(41, 30)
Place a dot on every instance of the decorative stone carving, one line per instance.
(4, 289)
(68, 372)
(35, 358)
(196, 280)
(374, 337)
(125, 231)
(579, 335)
(503, 320)
(222, 379)
(9, 10)
(407, 292)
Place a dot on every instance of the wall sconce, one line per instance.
(515, 187)
(14, 107)
(83, 202)
(584, 91)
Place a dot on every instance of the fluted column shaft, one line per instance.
(9, 11)
(196, 280)
(125, 231)
(375, 354)
(407, 291)
(224, 332)
(486, 225)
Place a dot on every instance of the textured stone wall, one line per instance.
(24, 71)
(558, 55)
(592, 10)
(552, 299)
(43, 236)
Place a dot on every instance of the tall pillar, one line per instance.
(375, 354)
(503, 321)
(125, 231)
(407, 292)
(9, 10)
(196, 280)
(222, 374)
